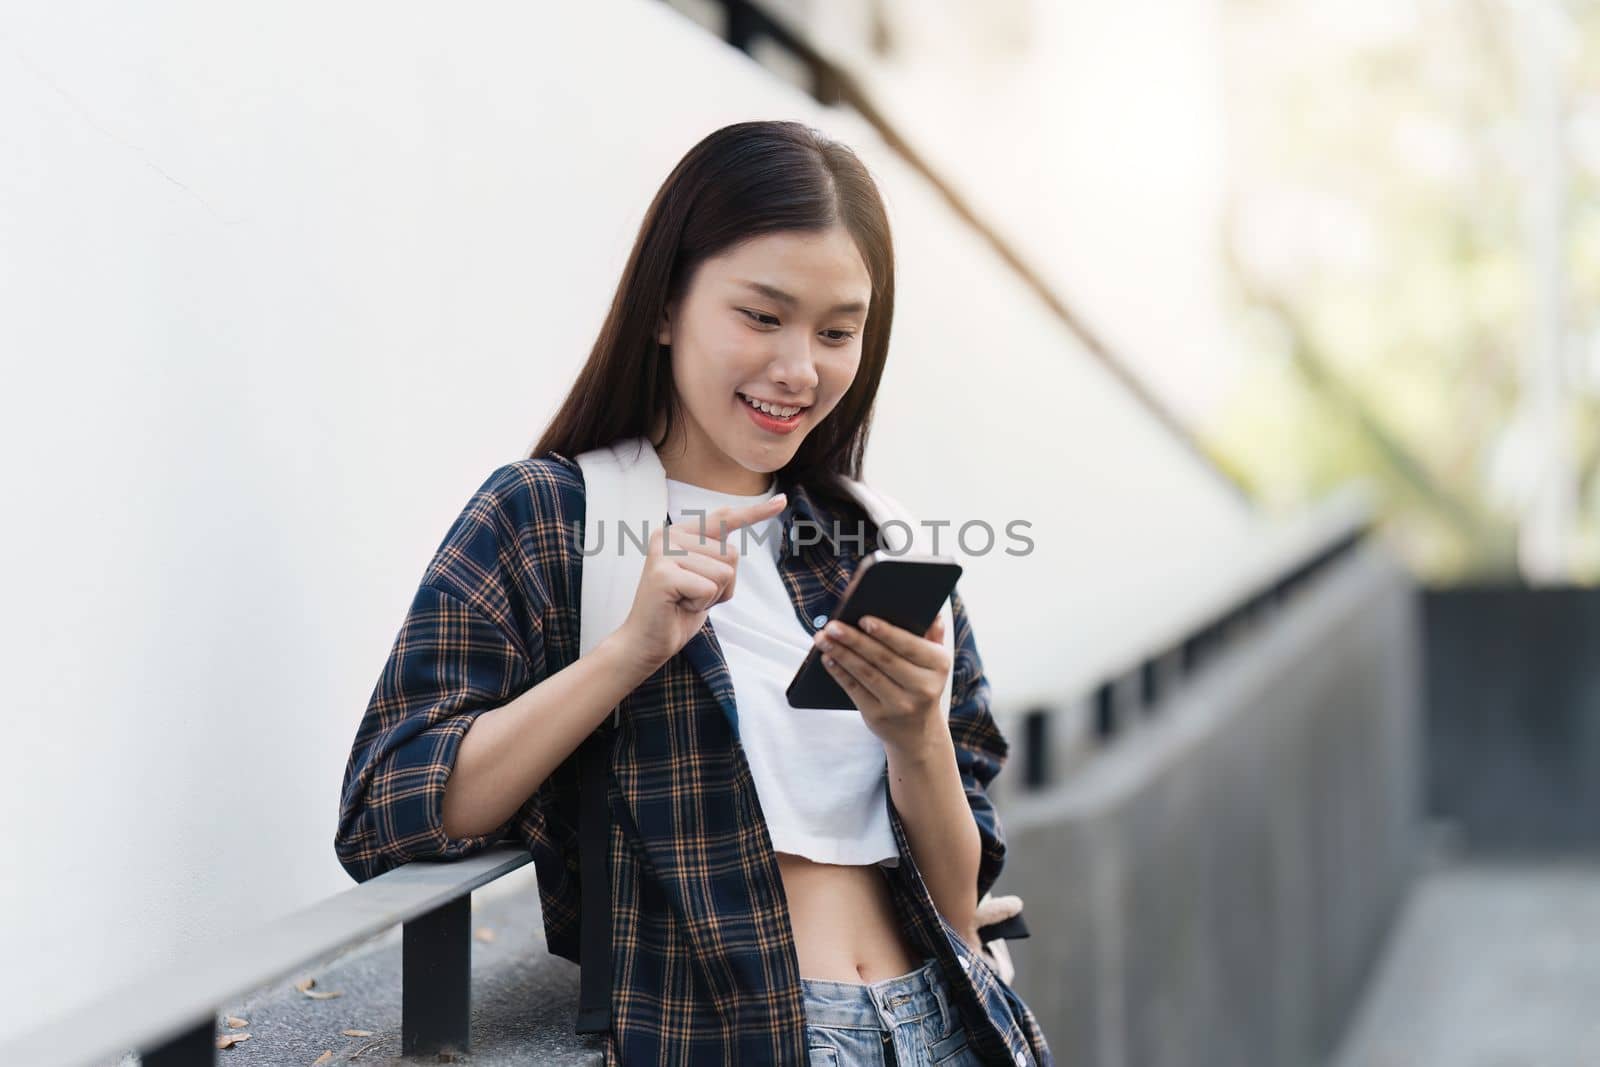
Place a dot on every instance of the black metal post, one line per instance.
(1036, 748)
(192, 1048)
(1105, 711)
(436, 986)
(744, 23)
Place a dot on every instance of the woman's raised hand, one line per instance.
(689, 567)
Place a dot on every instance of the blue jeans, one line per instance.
(910, 1021)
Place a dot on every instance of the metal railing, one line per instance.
(169, 1017)
(1137, 658)
(1141, 652)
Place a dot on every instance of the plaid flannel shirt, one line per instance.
(704, 967)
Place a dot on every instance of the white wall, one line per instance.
(277, 291)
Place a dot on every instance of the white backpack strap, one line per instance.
(624, 484)
(882, 507)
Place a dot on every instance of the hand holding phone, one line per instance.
(905, 591)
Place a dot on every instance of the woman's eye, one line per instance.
(836, 336)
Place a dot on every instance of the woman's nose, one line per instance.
(795, 367)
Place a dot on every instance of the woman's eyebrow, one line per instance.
(773, 293)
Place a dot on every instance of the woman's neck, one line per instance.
(701, 463)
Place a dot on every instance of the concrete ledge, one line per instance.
(1215, 886)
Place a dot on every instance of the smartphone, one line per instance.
(906, 591)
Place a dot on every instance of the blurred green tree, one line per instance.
(1377, 235)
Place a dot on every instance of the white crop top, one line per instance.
(819, 773)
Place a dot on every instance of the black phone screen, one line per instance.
(906, 591)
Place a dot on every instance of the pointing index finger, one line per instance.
(726, 519)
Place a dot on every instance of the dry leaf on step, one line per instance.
(304, 986)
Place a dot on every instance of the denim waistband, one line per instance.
(878, 1005)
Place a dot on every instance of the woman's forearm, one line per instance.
(510, 750)
(925, 784)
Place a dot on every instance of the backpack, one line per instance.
(625, 482)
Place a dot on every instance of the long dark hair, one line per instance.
(742, 181)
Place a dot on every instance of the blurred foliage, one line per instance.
(1381, 272)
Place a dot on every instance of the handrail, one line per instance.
(1198, 600)
(170, 1015)
(833, 84)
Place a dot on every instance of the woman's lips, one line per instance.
(770, 423)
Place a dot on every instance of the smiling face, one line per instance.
(777, 319)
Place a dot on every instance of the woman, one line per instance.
(788, 886)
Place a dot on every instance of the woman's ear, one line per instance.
(664, 328)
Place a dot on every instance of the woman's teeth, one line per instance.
(771, 409)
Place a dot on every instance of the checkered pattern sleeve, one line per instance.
(981, 749)
(470, 641)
